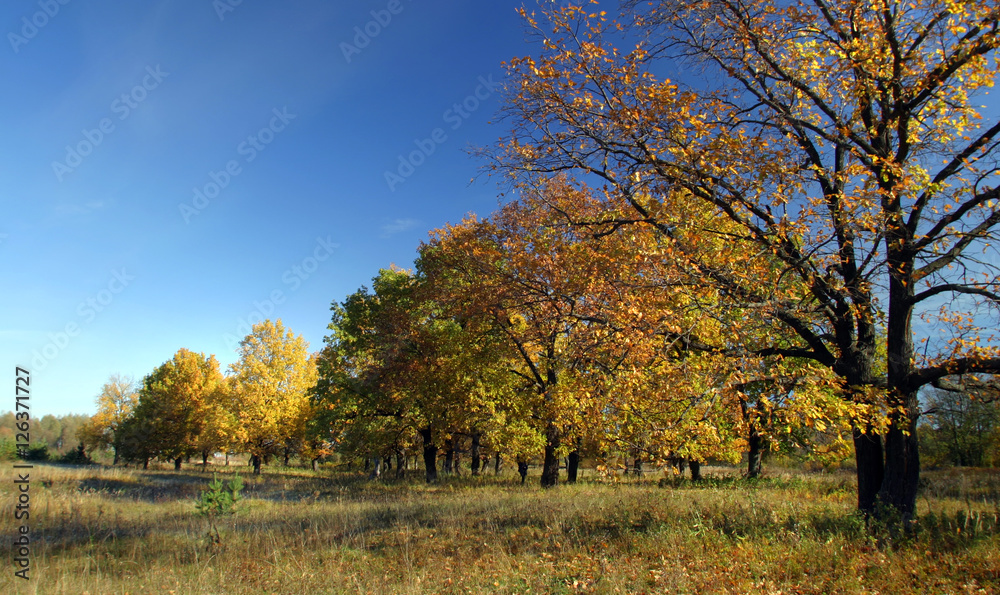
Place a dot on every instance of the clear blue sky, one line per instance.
(114, 113)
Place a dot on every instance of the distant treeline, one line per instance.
(51, 434)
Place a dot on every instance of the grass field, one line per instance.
(107, 530)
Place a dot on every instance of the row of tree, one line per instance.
(186, 407)
(690, 270)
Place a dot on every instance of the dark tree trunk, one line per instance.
(573, 465)
(681, 464)
(476, 459)
(204, 458)
(550, 464)
(756, 451)
(695, 469)
(376, 468)
(145, 463)
(497, 462)
(868, 455)
(177, 463)
(314, 464)
(255, 462)
(115, 462)
(387, 463)
(449, 455)
(902, 457)
(522, 470)
(430, 454)
(637, 467)
(400, 464)
(287, 457)
(227, 458)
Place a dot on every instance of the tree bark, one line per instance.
(449, 455)
(476, 460)
(550, 464)
(255, 462)
(314, 464)
(497, 463)
(869, 459)
(902, 457)
(573, 465)
(400, 464)
(177, 463)
(755, 452)
(376, 467)
(430, 455)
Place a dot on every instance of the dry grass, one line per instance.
(103, 530)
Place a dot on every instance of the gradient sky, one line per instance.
(114, 114)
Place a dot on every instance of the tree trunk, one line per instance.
(755, 443)
(449, 455)
(145, 463)
(902, 457)
(550, 464)
(287, 457)
(315, 464)
(522, 470)
(637, 467)
(227, 458)
(177, 463)
(476, 460)
(115, 462)
(204, 459)
(430, 454)
(868, 456)
(695, 469)
(400, 464)
(376, 468)
(497, 462)
(255, 461)
(573, 465)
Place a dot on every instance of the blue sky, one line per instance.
(171, 170)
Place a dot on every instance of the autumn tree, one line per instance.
(841, 139)
(270, 383)
(170, 413)
(115, 403)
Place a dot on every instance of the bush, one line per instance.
(77, 456)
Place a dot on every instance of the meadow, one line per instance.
(100, 530)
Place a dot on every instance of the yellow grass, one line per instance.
(102, 530)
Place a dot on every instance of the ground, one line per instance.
(109, 530)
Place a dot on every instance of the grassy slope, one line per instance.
(106, 530)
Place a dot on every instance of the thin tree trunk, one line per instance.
(497, 463)
(573, 465)
(314, 464)
(430, 454)
(177, 463)
(550, 464)
(522, 470)
(449, 455)
(376, 468)
(400, 464)
(755, 443)
(255, 462)
(476, 460)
